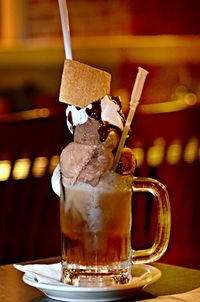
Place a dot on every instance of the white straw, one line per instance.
(65, 28)
(135, 97)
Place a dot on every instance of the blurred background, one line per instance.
(117, 36)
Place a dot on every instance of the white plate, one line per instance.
(145, 274)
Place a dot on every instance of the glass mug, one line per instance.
(96, 229)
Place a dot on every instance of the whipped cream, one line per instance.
(79, 116)
(110, 112)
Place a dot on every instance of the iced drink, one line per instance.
(95, 198)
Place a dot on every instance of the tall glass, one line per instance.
(96, 229)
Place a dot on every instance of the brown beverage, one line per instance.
(96, 223)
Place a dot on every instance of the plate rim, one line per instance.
(153, 276)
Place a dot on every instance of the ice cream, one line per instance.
(107, 109)
(86, 159)
(96, 130)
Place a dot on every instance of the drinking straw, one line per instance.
(65, 28)
(135, 97)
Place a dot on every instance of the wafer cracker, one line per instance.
(82, 84)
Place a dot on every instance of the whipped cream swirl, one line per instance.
(110, 112)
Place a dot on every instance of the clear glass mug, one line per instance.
(96, 229)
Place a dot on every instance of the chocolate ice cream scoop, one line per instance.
(74, 159)
(84, 163)
(99, 165)
(87, 159)
(87, 134)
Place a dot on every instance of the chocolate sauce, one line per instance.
(69, 117)
(95, 113)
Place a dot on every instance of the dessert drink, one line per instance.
(95, 197)
(95, 200)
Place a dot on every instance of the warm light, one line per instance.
(43, 112)
(39, 166)
(190, 99)
(21, 168)
(174, 153)
(54, 160)
(5, 167)
(156, 152)
(191, 150)
(139, 155)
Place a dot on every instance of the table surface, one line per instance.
(174, 280)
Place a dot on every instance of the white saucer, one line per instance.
(142, 276)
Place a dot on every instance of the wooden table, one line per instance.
(174, 280)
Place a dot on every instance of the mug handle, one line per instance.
(160, 194)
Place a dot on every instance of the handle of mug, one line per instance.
(161, 241)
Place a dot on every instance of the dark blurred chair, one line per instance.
(30, 145)
(166, 141)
